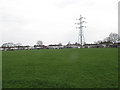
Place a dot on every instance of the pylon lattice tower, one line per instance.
(81, 39)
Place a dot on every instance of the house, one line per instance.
(7, 48)
(105, 44)
(73, 45)
(31, 48)
(15, 48)
(91, 45)
(26, 47)
(40, 47)
(22, 47)
(116, 45)
(55, 46)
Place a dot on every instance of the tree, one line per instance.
(18, 44)
(69, 43)
(60, 44)
(113, 37)
(39, 42)
(8, 45)
(98, 42)
(107, 39)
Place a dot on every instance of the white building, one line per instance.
(55, 46)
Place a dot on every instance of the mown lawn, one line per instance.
(63, 68)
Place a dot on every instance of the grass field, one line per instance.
(63, 68)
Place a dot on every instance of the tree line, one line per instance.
(113, 37)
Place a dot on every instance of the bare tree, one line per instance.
(113, 37)
(99, 41)
(8, 45)
(95, 42)
(69, 43)
(18, 44)
(60, 44)
(107, 39)
(39, 42)
(5, 45)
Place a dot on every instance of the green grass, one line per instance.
(65, 68)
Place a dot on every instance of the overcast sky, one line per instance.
(53, 21)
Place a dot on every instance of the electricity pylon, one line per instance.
(81, 39)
